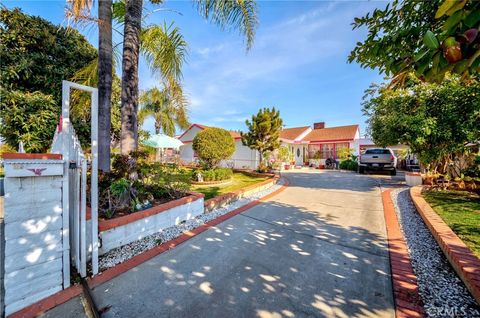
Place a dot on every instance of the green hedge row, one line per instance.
(349, 165)
(216, 174)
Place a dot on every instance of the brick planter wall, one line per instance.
(465, 263)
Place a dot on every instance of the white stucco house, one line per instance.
(304, 142)
(243, 157)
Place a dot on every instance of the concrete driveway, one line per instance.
(318, 249)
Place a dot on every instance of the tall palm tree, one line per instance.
(105, 53)
(79, 11)
(165, 108)
(237, 14)
(130, 58)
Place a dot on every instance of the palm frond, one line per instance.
(232, 14)
(79, 12)
(165, 50)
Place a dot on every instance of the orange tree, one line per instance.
(429, 38)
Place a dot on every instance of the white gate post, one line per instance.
(65, 184)
(94, 182)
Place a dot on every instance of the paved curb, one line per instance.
(408, 303)
(463, 261)
(63, 296)
(48, 303)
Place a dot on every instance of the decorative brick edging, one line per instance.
(43, 156)
(405, 288)
(227, 198)
(465, 263)
(48, 303)
(63, 296)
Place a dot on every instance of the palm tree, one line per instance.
(167, 111)
(79, 11)
(130, 58)
(105, 53)
(238, 14)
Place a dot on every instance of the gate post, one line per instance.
(33, 228)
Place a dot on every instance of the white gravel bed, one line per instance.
(123, 253)
(442, 291)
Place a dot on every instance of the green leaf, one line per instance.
(458, 6)
(442, 10)
(430, 40)
(461, 66)
(420, 55)
(472, 18)
(453, 21)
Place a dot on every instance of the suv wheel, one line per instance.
(361, 170)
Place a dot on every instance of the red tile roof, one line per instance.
(234, 134)
(292, 133)
(332, 134)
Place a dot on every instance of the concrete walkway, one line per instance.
(318, 249)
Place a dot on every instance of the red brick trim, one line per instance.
(405, 288)
(105, 225)
(226, 198)
(145, 256)
(40, 307)
(413, 174)
(462, 259)
(44, 156)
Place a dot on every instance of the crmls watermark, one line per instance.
(450, 311)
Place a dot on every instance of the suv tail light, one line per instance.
(392, 158)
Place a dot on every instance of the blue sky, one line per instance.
(298, 62)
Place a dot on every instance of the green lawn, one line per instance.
(461, 211)
(239, 181)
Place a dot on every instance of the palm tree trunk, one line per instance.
(104, 82)
(129, 97)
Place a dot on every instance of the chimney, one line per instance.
(319, 125)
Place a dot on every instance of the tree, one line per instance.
(36, 56)
(130, 58)
(437, 121)
(105, 73)
(429, 38)
(213, 145)
(263, 132)
(239, 14)
(166, 111)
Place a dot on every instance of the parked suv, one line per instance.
(379, 159)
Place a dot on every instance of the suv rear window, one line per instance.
(377, 152)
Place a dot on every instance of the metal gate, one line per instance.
(74, 197)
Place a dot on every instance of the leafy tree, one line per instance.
(28, 117)
(436, 121)
(36, 56)
(263, 132)
(429, 38)
(167, 112)
(213, 145)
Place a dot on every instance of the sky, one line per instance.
(298, 62)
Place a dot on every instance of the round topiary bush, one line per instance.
(213, 145)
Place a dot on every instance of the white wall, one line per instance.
(243, 157)
(139, 229)
(33, 237)
(186, 153)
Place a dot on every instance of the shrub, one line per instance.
(213, 145)
(217, 174)
(349, 165)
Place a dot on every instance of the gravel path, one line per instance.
(442, 291)
(123, 253)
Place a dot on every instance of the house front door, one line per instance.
(298, 156)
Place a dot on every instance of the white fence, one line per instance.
(66, 143)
